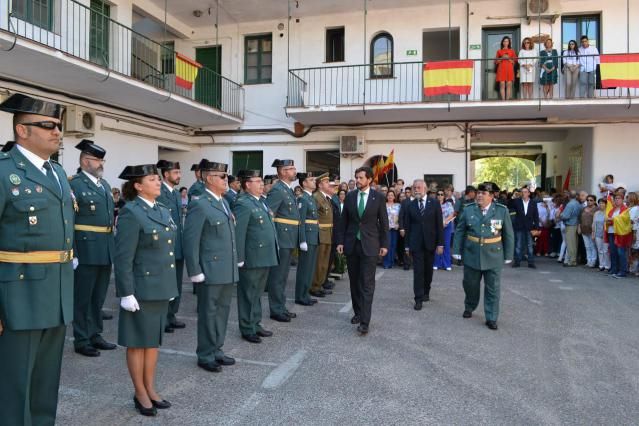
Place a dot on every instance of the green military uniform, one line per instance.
(196, 190)
(36, 276)
(230, 196)
(209, 249)
(325, 218)
(485, 242)
(94, 248)
(145, 268)
(257, 249)
(281, 200)
(307, 259)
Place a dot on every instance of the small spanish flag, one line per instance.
(185, 71)
(620, 70)
(448, 78)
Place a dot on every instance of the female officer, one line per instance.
(144, 279)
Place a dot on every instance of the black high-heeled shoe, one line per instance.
(161, 405)
(151, 411)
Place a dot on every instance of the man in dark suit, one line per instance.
(526, 219)
(363, 235)
(424, 234)
(406, 260)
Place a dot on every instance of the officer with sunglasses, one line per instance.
(36, 272)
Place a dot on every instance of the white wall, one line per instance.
(615, 151)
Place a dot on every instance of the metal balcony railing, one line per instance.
(84, 33)
(403, 83)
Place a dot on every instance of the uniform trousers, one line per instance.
(305, 271)
(277, 278)
(30, 363)
(213, 307)
(91, 283)
(472, 288)
(249, 302)
(321, 268)
(571, 245)
(361, 274)
(174, 305)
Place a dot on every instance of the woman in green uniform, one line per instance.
(145, 279)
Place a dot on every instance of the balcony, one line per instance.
(394, 92)
(69, 48)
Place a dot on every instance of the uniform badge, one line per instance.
(495, 226)
(15, 179)
(15, 191)
(33, 220)
(156, 237)
(299, 206)
(38, 188)
(92, 207)
(27, 191)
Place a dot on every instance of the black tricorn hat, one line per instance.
(232, 178)
(247, 174)
(488, 187)
(303, 175)
(195, 167)
(89, 147)
(212, 166)
(19, 103)
(268, 179)
(470, 189)
(132, 172)
(282, 163)
(168, 165)
(7, 146)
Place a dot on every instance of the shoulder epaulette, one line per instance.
(4, 155)
(501, 205)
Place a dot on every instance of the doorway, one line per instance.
(208, 86)
(435, 47)
(491, 42)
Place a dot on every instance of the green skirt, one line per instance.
(143, 328)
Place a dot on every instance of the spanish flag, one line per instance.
(388, 164)
(620, 70)
(448, 78)
(621, 223)
(185, 71)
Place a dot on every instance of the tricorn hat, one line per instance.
(268, 179)
(212, 166)
(132, 172)
(232, 178)
(195, 167)
(488, 187)
(19, 103)
(282, 163)
(168, 165)
(470, 189)
(247, 174)
(7, 146)
(89, 147)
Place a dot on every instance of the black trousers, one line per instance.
(422, 273)
(361, 273)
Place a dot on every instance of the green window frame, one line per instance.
(36, 12)
(99, 34)
(167, 57)
(258, 59)
(575, 26)
(252, 160)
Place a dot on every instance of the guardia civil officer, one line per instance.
(325, 210)
(485, 240)
(256, 252)
(211, 262)
(309, 240)
(197, 189)
(93, 249)
(144, 279)
(170, 198)
(281, 200)
(36, 272)
(234, 189)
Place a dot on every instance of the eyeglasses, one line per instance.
(222, 176)
(48, 125)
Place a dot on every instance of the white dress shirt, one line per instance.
(37, 161)
(588, 63)
(525, 205)
(151, 204)
(169, 187)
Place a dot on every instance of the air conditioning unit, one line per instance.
(351, 145)
(543, 8)
(79, 120)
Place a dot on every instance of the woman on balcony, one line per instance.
(548, 61)
(527, 68)
(505, 63)
(570, 67)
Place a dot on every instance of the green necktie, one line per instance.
(360, 209)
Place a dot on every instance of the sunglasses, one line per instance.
(440, 194)
(48, 125)
(222, 176)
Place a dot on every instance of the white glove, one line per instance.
(457, 256)
(75, 263)
(129, 303)
(172, 299)
(198, 278)
(239, 265)
(508, 261)
(303, 246)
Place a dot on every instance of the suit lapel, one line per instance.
(34, 174)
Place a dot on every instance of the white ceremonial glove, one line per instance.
(239, 265)
(303, 246)
(457, 256)
(129, 303)
(75, 263)
(172, 299)
(198, 278)
(508, 261)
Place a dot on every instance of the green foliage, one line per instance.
(507, 172)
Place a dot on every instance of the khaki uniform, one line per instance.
(325, 218)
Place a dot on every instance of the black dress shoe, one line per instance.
(362, 329)
(532, 265)
(225, 360)
(102, 344)
(264, 333)
(467, 314)
(213, 367)
(313, 301)
(87, 350)
(304, 303)
(281, 318)
(426, 298)
(329, 285)
(492, 325)
(418, 306)
(177, 324)
(320, 293)
(151, 411)
(161, 405)
(168, 329)
(355, 319)
(290, 314)
(516, 265)
(106, 316)
(251, 338)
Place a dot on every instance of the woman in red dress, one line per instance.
(505, 63)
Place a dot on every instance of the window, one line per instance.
(247, 160)
(36, 12)
(99, 36)
(382, 56)
(258, 59)
(323, 161)
(167, 57)
(573, 27)
(335, 44)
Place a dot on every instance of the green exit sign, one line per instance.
(475, 47)
(411, 53)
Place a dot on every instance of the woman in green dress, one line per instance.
(145, 279)
(548, 61)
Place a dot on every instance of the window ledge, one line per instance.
(381, 78)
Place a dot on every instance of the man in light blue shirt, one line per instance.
(570, 216)
(588, 61)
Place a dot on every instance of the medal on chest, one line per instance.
(495, 226)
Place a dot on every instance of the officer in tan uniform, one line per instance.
(322, 197)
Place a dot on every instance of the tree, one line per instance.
(507, 172)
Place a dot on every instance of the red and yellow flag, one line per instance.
(186, 70)
(620, 70)
(388, 164)
(448, 78)
(621, 223)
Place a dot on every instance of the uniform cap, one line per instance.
(195, 167)
(247, 174)
(282, 163)
(470, 189)
(19, 103)
(168, 165)
(132, 172)
(268, 179)
(232, 178)
(89, 147)
(212, 166)
(323, 176)
(488, 187)
(302, 175)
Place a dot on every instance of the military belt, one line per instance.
(325, 225)
(63, 256)
(89, 228)
(482, 240)
(311, 221)
(286, 221)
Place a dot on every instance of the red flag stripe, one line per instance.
(447, 65)
(611, 82)
(630, 57)
(445, 90)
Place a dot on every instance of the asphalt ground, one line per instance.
(566, 352)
